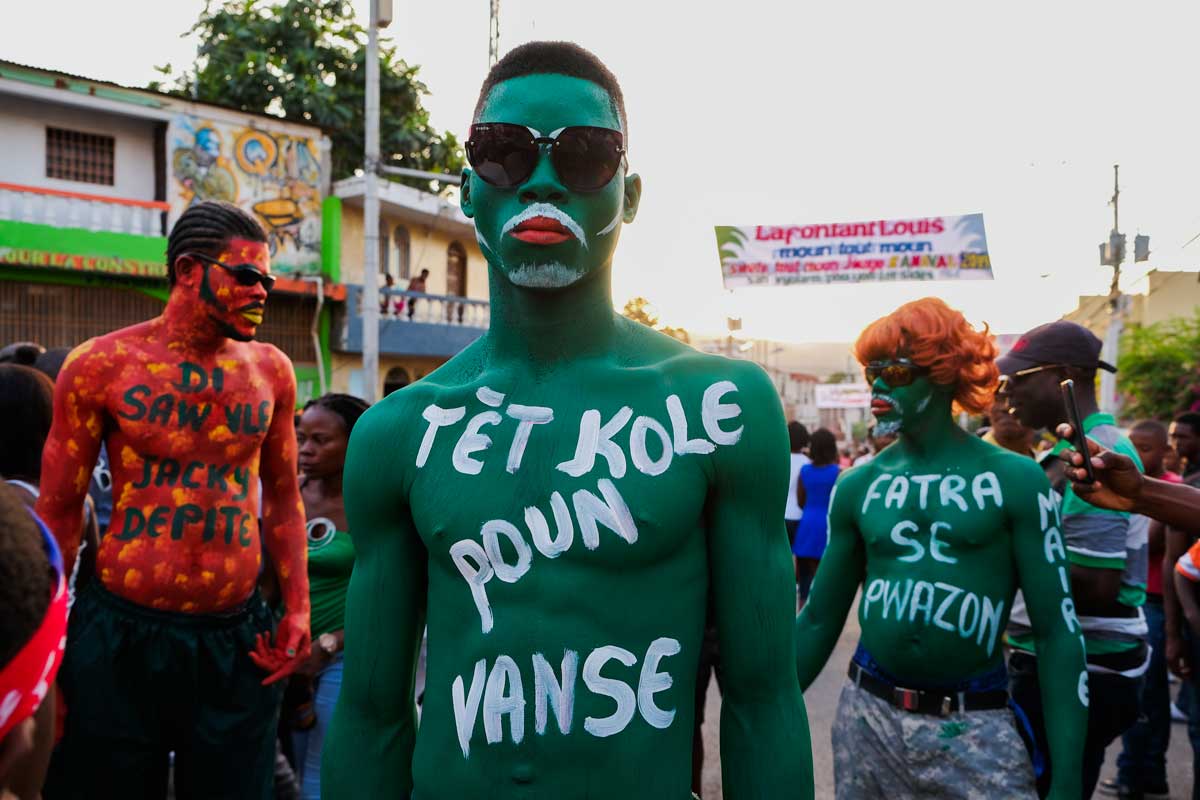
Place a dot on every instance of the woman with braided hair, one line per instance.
(322, 436)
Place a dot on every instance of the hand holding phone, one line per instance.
(1077, 436)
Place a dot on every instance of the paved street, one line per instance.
(821, 699)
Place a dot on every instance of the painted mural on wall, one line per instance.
(273, 175)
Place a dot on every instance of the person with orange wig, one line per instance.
(941, 530)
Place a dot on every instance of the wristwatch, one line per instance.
(328, 643)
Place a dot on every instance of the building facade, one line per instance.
(92, 176)
(419, 329)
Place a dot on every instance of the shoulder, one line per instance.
(1114, 439)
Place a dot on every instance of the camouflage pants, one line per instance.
(880, 751)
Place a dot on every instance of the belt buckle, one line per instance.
(907, 699)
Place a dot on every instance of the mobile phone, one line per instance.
(1078, 438)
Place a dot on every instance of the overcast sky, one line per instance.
(761, 112)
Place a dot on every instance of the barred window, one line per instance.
(78, 156)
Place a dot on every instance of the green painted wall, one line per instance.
(331, 238)
(82, 250)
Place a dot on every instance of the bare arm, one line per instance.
(764, 729)
(284, 535)
(1120, 486)
(1039, 554)
(369, 748)
(1185, 590)
(801, 494)
(1177, 654)
(72, 447)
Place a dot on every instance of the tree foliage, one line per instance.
(1157, 369)
(639, 309)
(305, 60)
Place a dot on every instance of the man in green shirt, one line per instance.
(1107, 549)
(559, 501)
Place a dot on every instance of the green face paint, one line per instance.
(590, 221)
(907, 407)
(561, 499)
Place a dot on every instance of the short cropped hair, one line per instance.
(206, 228)
(26, 577)
(26, 411)
(936, 336)
(797, 436)
(555, 58)
(1191, 419)
(1151, 426)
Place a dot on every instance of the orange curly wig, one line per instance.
(936, 336)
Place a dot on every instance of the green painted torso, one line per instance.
(915, 602)
(620, 594)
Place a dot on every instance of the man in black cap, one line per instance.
(1107, 550)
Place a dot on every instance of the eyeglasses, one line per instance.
(246, 274)
(585, 157)
(1006, 381)
(897, 373)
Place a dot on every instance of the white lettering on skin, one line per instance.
(979, 616)
(500, 693)
(595, 436)
(1056, 556)
(479, 562)
(950, 488)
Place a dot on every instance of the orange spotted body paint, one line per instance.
(192, 420)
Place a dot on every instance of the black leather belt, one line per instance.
(928, 701)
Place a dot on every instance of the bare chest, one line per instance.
(935, 517)
(183, 411)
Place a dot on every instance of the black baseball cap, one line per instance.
(1059, 342)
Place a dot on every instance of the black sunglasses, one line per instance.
(895, 374)
(585, 157)
(246, 274)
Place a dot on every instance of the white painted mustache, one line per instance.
(550, 212)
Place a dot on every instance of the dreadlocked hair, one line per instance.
(25, 574)
(206, 228)
(346, 406)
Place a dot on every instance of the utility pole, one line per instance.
(494, 35)
(1113, 254)
(381, 17)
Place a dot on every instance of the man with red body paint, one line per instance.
(193, 413)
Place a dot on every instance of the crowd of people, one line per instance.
(203, 592)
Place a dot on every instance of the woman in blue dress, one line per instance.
(812, 493)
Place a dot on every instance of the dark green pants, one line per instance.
(140, 684)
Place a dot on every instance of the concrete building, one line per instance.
(92, 176)
(1164, 295)
(417, 330)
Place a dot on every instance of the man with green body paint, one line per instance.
(941, 529)
(557, 501)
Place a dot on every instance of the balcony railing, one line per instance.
(441, 309)
(92, 212)
(416, 323)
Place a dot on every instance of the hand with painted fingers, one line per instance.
(291, 649)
